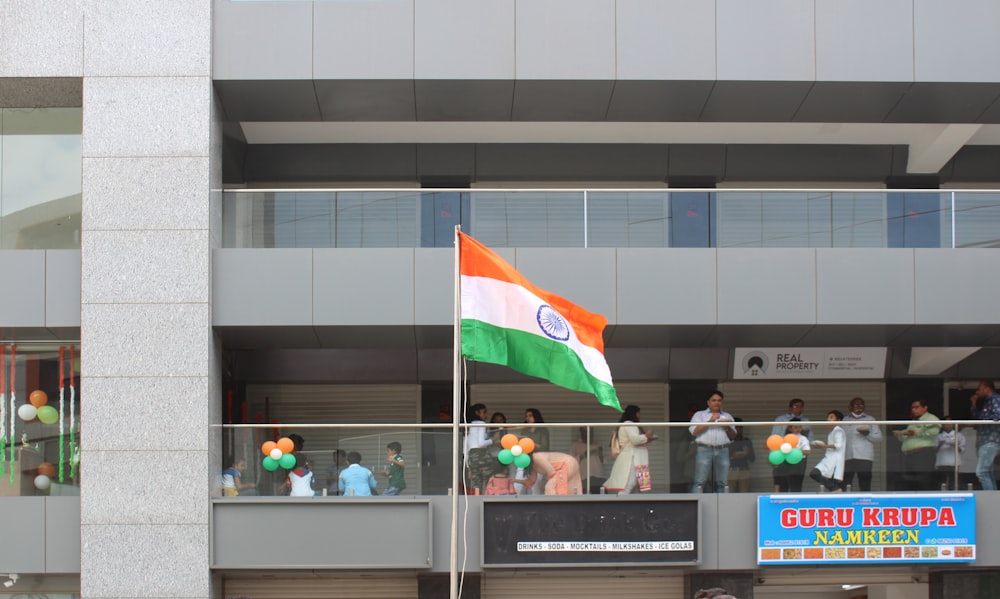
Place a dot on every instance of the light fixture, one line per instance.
(852, 587)
(12, 579)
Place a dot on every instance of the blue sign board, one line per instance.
(841, 528)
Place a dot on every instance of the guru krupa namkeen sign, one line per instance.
(849, 529)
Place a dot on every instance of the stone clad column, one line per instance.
(149, 360)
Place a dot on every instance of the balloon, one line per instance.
(269, 464)
(527, 444)
(42, 482)
(505, 456)
(47, 468)
(776, 457)
(522, 461)
(288, 461)
(38, 398)
(507, 441)
(267, 447)
(774, 442)
(794, 456)
(27, 412)
(785, 448)
(48, 414)
(516, 450)
(792, 439)
(286, 445)
(276, 454)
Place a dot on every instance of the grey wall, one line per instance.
(43, 537)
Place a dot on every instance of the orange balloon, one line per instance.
(286, 445)
(38, 398)
(792, 440)
(267, 447)
(47, 468)
(774, 442)
(527, 444)
(507, 441)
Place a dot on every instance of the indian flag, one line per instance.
(506, 320)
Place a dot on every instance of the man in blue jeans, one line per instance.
(712, 443)
(986, 406)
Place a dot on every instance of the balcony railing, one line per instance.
(693, 218)
(946, 462)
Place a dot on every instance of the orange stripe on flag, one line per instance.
(479, 261)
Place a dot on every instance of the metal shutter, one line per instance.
(308, 585)
(763, 401)
(332, 404)
(582, 584)
(562, 405)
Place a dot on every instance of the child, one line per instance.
(830, 470)
(232, 479)
(356, 480)
(501, 484)
(945, 461)
(788, 477)
(300, 480)
(396, 465)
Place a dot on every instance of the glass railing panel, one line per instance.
(40, 421)
(977, 219)
(858, 220)
(918, 219)
(628, 219)
(528, 218)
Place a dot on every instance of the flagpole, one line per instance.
(456, 406)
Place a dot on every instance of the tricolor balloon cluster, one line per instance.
(280, 453)
(37, 407)
(516, 451)
(784, 449)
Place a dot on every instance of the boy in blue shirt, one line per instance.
(356, 480)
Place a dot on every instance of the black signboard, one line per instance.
(615, 531)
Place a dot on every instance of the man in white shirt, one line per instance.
(712, 443)
(861, 440)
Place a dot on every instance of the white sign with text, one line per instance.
(809, 363)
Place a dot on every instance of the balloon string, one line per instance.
(62, 438)
(72, 415)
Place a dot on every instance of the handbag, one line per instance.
(642, 478)
(616, 446)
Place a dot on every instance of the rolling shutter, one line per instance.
(582, 584)
(383, 585)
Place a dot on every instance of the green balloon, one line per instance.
(794, 456)
(776, 457)
(48, 414)
(270, 464)
(522, 461)
(288, 461)
(505, 456)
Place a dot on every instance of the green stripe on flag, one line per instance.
(535, 356)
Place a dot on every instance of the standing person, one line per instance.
(591, 453)
(741, 456)
(861, 440)
(829, 472)
(788, 477)
(394, 457)
(634, 453)
(712, 443)
(232, 480)
(539, 435)
(479, 465)
(356, 480)
(918, 447)
(986, 406)
(948, 440)
(795, 408)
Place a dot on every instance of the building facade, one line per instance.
(233, 220)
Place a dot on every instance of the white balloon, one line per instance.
(42, 482)
(27, 412)
(786, 447)
(276, 454)
(517, 450)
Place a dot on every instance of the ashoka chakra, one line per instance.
(552, 324)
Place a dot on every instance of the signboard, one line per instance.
(772, 363)
(836, 528)
(586, 533)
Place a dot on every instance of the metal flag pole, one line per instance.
(456, 402)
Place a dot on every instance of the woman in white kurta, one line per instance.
(634, 453)
(830, 470)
